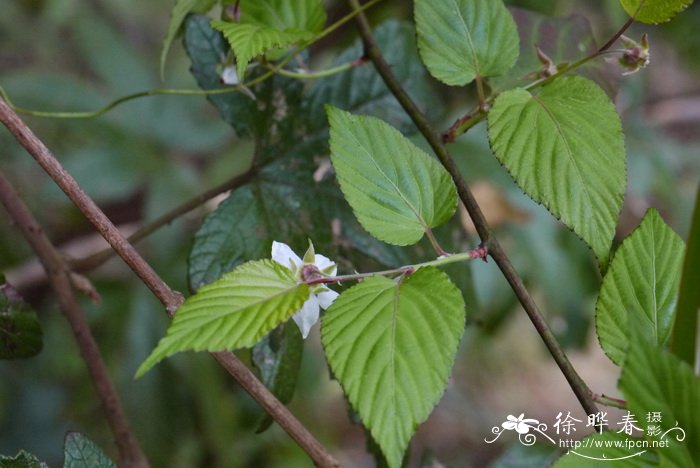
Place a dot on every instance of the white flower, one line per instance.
(320, 296)
(229, 75)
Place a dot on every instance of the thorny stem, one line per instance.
(95, 260)
(495, 250)
(463, 124)
(130, 453)
(192, 92)
(169, 298)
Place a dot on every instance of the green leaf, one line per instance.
(235, 311)
(684, 334)
(391, 345)
(304, 15)
(281, 203)
(278, 358)
(654, 11)
(81, 452)
(21, 460)
(395, 189)
(250, 40)
(275, 98)
(564, 147)
(460, 40)
(607, 448)
(654, 380)
(20, 332)
(639, 291)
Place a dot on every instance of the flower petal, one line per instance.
(307, 316)
(322, 262)
(509, 425)
(284, 255)
(326, 298)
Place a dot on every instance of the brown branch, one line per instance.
(87, 206)
(97, 259)
(130, 453)
(581, 390)
(169, 298)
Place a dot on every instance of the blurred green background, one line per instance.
(149, 155)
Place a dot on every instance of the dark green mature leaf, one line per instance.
(21, 460)
(275, 98)
(283, 203)
(235, 311)
(391, 345)
(460, 40)
(640, 289)
(602, 447)
(564, 147)
(684, 335)
(654, 380)
(361, 90)
(395, 189)
(81, 452)
(278, 358)
(20, 332)
(654, 11)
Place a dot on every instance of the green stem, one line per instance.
(465, 123)
(190, 92)
(307, 75)
(445, 260)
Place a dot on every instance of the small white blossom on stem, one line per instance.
(312, 263)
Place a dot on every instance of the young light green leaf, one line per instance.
(564, 147)
(391, 345)
(654, 11)
(460, 40)
(639, 291)
(250, 40)
(608, 445)
(304, 15)
(235, 311)
(654, 380)
(395, 189)
(81, 452)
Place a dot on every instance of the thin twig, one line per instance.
(95, 260)
(169, 298)
(130, 453)
(495, 250)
